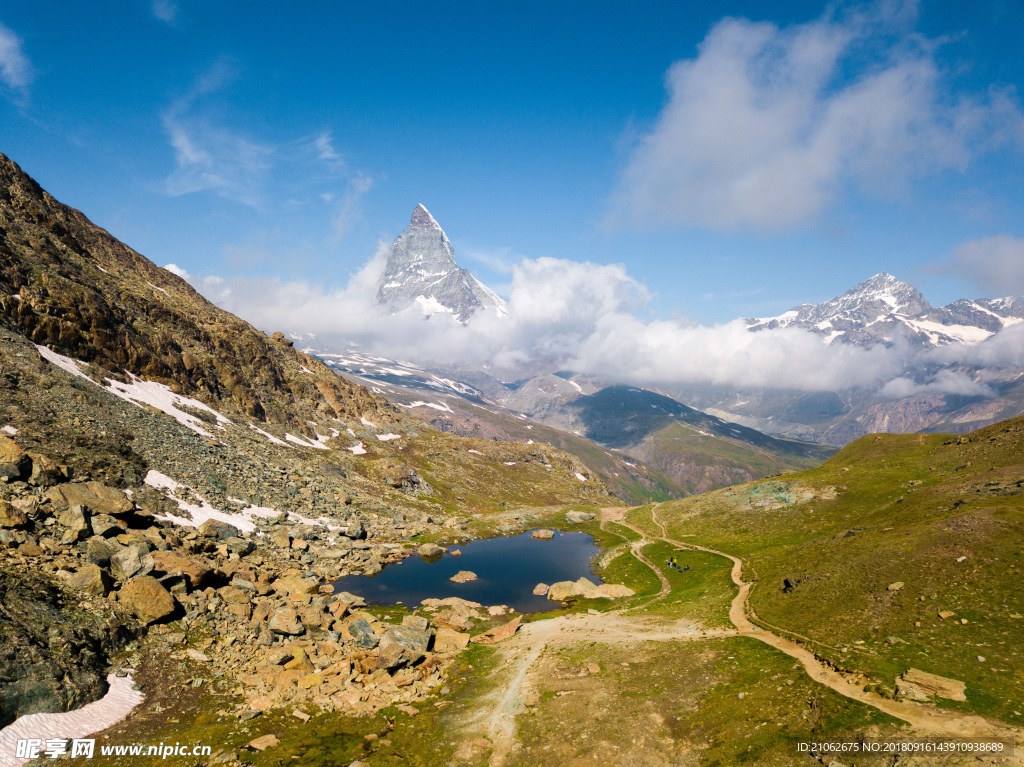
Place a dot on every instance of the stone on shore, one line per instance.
(543, 534)
(499, 633)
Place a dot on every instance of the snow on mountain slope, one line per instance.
(883, 308)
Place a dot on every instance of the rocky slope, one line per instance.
(422, 272)
(161, 460)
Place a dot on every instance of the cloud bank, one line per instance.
(588, 318)
(766, 127)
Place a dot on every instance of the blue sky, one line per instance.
(736, 158)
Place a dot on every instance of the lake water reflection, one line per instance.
(508, 569)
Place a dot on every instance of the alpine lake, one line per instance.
(507, 569)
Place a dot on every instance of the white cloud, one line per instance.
(165, 11)
(944, 382)
(766, 127)
(585, 317)
(994, 264)
(175, 269)
(15, 69)
(347, 211)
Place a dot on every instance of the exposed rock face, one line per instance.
(53, 655)
(69, 285)
(422, 272)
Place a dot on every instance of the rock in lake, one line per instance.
(430, 550)
(543, 535)
(462, 576)
(540, 589)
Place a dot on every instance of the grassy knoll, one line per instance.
(943, 515)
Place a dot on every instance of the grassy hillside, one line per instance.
(943, 515)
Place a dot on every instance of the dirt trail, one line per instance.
(927, 720)
(524, 650)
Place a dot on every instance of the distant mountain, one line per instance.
(883, 308)
(422, 272)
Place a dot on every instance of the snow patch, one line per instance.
(142, 393)
(9, 430)
(305, 442)
(93, 717)
(364, 422)
(386, 437)
(157, 287)
(580, 477)
(269, 436)
(358, 449)
(420, 403)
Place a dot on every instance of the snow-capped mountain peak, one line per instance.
(422, 272)
(883, 308)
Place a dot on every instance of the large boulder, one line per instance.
(430, 551)
(148, 600)
(91, 579)
(499, 633)
(363, 634)
(45, 471)
(920, 685)
(11, 517)
(131, 561)
(448, 640)
(410, 638)
(543, 534)
(95, 496)
(463, 576)
(76, 520)
(14, 462)
(286, 621)
(355, 531)
(214, 528)
(169, 562)
(293, 584)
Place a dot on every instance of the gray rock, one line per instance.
(356, 531)
(576, 517)
(91, 579)
(363, 634)
(408, 637)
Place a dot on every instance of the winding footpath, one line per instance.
(523, 652)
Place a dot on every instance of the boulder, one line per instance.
(91, 579)
(76, 520)
(895, 586)
(12, 518)
(462, 576)
(286, 621)
(417, 622)
(410, 638)
(14, 462)
(499, 633)
(920, 685)
(106, 526)
(576, 517)
(95, 496)
(282, 538)
(293, 584)
(559, 592)
(613, 591)
(430, 550)
(448, 640)
(540, 589)
(543, 534)
(148, 600)
(363, 634)
(214, 528)
(240, 546)
(98, 551)
(168, 562)
(45, 471)
(131, 561)
(356, 531)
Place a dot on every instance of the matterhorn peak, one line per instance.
(422, 272)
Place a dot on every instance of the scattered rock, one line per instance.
(463, 576)
(448, 640)
(543, 534)
(10, 517)
(214, 528)
(286, 621)
(895, 586)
